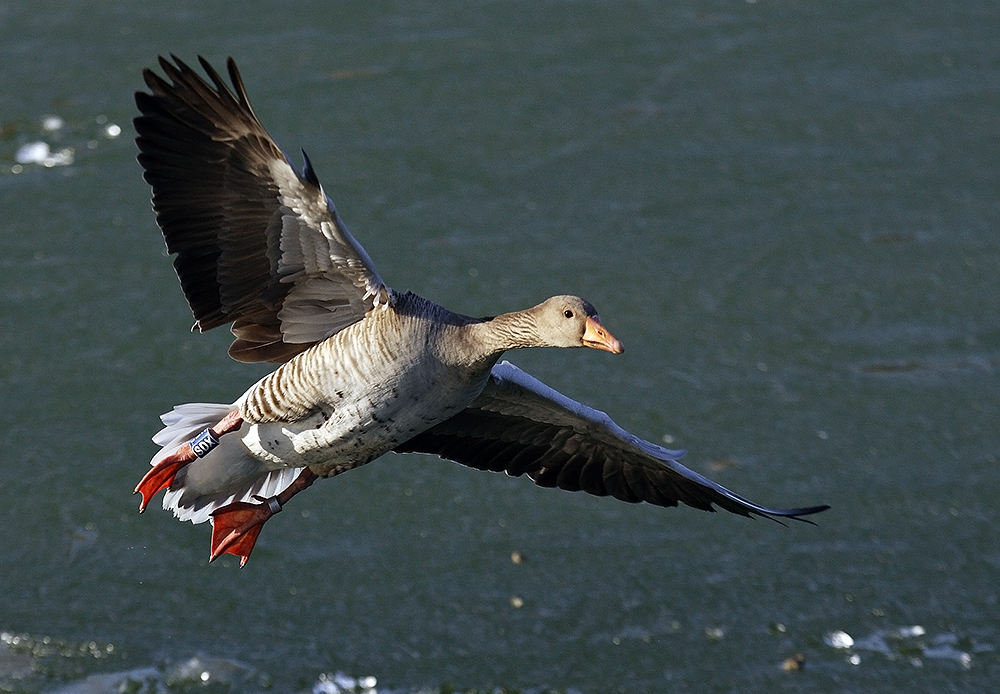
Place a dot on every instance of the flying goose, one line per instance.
(364, 369)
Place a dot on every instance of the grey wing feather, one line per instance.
(256, 243)
(520, 426)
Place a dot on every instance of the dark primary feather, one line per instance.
(256, 243)
(203, 150)
(522, 427)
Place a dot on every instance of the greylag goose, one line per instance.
(364, 369)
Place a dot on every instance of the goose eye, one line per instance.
(568, 313)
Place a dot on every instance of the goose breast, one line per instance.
(363, 391)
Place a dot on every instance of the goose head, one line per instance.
(569, 321)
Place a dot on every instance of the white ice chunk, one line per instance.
(838, 639)
(32, 153)
(40, 153)
(339, 683)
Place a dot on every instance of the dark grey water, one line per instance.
(789, 215)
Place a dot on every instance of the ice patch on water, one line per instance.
(14, 665)
(40, 153)
(205, 670)
(138, 681)
(339, 683)
(838, 639)
(201, 671)
(910, 643)
(33, 663)
(52, 141)
(179, 676)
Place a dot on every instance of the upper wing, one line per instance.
(256, 242)
(521, 426)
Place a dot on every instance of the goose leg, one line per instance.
(161, 475)
(235, 527)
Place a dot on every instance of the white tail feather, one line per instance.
(184, 422)
(268, 485)
(228, 473)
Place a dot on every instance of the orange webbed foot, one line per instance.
(161, 475)
(235, 527)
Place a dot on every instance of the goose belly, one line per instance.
(344, 436)
(358, 408)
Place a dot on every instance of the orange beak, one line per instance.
(597, 337)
